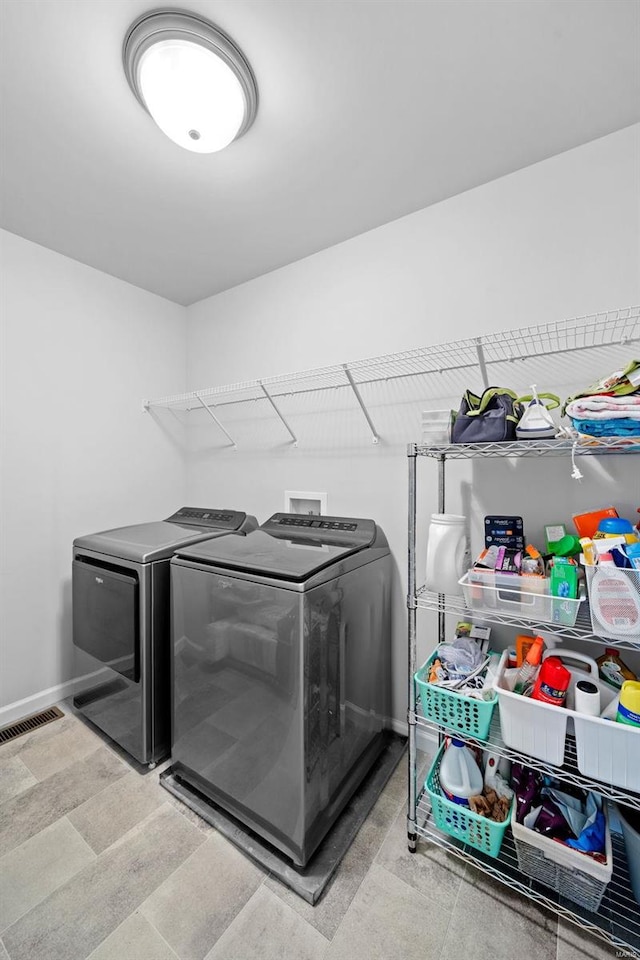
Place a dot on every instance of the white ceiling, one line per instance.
(369, 110)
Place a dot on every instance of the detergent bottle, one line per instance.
(447, 554)
(629, 703)
(460, 775)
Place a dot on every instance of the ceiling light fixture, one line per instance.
(191, 78)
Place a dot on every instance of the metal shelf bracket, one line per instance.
(374, 434)
(273, 404)
(216, 421)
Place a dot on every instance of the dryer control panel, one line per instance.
(208, 517)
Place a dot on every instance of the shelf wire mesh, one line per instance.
(618, 327)
(617, 920)
(569, 771)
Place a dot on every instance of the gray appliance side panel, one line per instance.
(347, 688)
(237, 732)
(121, 708)
(159, 663)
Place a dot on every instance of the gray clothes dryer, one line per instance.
(121, 623)
(281, 672)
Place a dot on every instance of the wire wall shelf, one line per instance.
(582, 629)
(614, 327)
(569, 771)
(617, 920)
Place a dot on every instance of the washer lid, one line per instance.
(144, 542)
(287, 550)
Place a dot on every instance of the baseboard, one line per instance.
(426, 740)
(45, 698)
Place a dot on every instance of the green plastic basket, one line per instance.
(453, 710)
(461, 822)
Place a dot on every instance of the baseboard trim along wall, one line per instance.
(45, 698)
(426, 740)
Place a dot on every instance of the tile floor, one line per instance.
(98, 861)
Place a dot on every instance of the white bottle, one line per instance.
(460, 775)
(447, 557)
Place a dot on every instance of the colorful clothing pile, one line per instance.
(610, 407)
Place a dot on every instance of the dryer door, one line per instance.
(105, 616)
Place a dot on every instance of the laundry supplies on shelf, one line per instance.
(610, 407)
(536, 423)
(562, 838)
(447, 552)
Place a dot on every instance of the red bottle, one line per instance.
(552, 682)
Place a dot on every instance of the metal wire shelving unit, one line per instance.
(569, 771)
(582, 629)
(618, 919)
(442, 361)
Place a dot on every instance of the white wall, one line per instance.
(555, 240)
(80, 350)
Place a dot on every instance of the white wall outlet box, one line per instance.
(305, 502)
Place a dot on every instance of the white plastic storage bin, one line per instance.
(615, 604)
(608, 751)
(540, 729)
(526, 597)
(572, 874)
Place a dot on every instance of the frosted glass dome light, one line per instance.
(191, 78)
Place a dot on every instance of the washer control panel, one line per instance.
(331, 529)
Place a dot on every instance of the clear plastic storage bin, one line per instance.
(524, 597)
(615, 611)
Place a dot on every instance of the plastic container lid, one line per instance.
(615, 525)
(567, 546)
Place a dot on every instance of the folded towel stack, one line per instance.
(606, 416)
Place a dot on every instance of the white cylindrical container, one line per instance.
(446, 553)
(587, 698)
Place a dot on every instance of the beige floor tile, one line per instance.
(195, 904)
(135, 939)
(14, 778)
(577, 944)
(388, 919)
(187, 812)
(40, 735)
(491, 920)
(47, 801)
(77, 917)
(267, 929)
(431, 870)
(72, 743)
(327, 914)
(32, 871)
(105, 818)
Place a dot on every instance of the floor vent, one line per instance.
(29, 724)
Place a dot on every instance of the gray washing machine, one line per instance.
(281, 672)
(121, 623)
